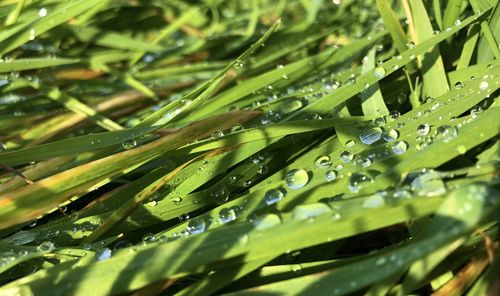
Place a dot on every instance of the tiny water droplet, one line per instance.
(42, 12)
(104, 254)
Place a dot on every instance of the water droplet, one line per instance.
(459, 85)
(357, 181)
(42, 12)
(410, 44)
(446, 133)
(379, 72)
(374, 201)
(483, 85)
(346, 156)
(323, 162)
(217, 135)
(273, 196)
(371, 135)
(458, 22)
(423, 129)
(290, 106)
(379, 121)
(399, 147)
(330, 176)
(428, 184)
(221, 194)
(129, 144)
(296, 178)
(46, 246)
(196, 226)
(350, 143)
(32, 35)
(461, 149)
(365, 162)
(227, 215)
(309, 211)
(104, 254)
(267, 221)
(390, 135)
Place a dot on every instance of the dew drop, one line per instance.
(330, 176)
(273, 196)
(104, 254)
(196, 226)
(296, 178)
(309, 211)
(346, 156)
(357, 181)
(46, 246)
(129, 144)
(323, 162)
(483, 85)
(399, 147)
(379, 72)
(390, 135)
(446, 133)
(227, 215)
(371, 135)
(374, 201)
(267, 221)
(217, 135)
(423, 129)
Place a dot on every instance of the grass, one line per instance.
(261, 147)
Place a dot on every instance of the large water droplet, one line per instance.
(399, 147)
(371, 135)
(273, 196)
(358, 181)
(46, 246)
(309, 211)
(446, 133)
(428, 184)
(267, 221)
(296, 178)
